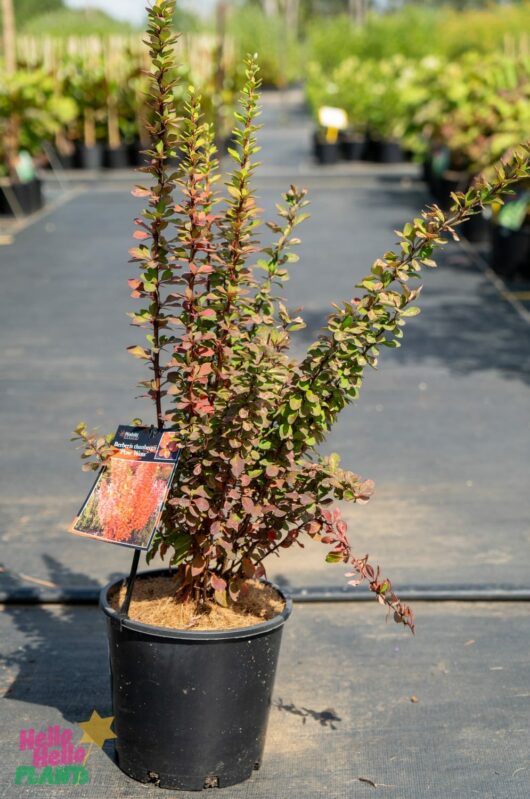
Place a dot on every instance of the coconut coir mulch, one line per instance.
(154, 601)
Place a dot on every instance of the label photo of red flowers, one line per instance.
(126, 501)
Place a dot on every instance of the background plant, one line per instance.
(32, 110)
(476, 107)
(252, 31)
(93, 89)
(248, 417)
(418, 31)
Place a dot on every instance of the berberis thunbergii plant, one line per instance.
(247, 416)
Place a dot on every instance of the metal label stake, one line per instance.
(124, 610)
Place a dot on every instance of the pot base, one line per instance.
(187, 782)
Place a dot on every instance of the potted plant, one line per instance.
(32, 112)
(345, 89)
(351, 88)
(476, 112)
(85, 82)
(116, 154)
(385, 110)
(193, 661)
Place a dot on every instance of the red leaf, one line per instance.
(140, 234)
(238, 466)
(204, 369)
(248, 505)
(217, 583)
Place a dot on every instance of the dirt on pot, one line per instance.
(154, 601)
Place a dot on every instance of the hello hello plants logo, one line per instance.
(56, 759)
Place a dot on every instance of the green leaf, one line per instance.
(139, 352)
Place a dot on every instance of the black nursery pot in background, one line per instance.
(25, 198)
(448, 182)
(371, 149)
(190, 707)
(427, 172)
(116, 157)
(37, 199)
(61, 159)
(510, 251)
(89, 157)
(388, 151)
(477, 229)
(326, 153)
(134, 153)
(351, 147)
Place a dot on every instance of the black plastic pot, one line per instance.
(190, 708)
(450, 182)
(89, 157)
(26, 196)
(477, 229)
(116, 157)
(371, 149)
(37, 199)
(388, 151)
(326, 153)
(510, 251)
(426, 169)
(351, 148)
(65, 160)
(134, 152)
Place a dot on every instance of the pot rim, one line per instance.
(251, 631)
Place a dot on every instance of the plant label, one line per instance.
(126, 502)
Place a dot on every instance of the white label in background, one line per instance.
(335, 118)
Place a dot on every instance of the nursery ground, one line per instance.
(443, 427)
(369, 710)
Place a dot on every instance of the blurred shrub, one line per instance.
(32, 110)
(434, 78)
(476, 108)
(278, 52)
(332, 40)
(28, 9)
(69, 22)
(417, 32)
(92, 89)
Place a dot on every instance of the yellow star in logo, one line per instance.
(97, 730)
